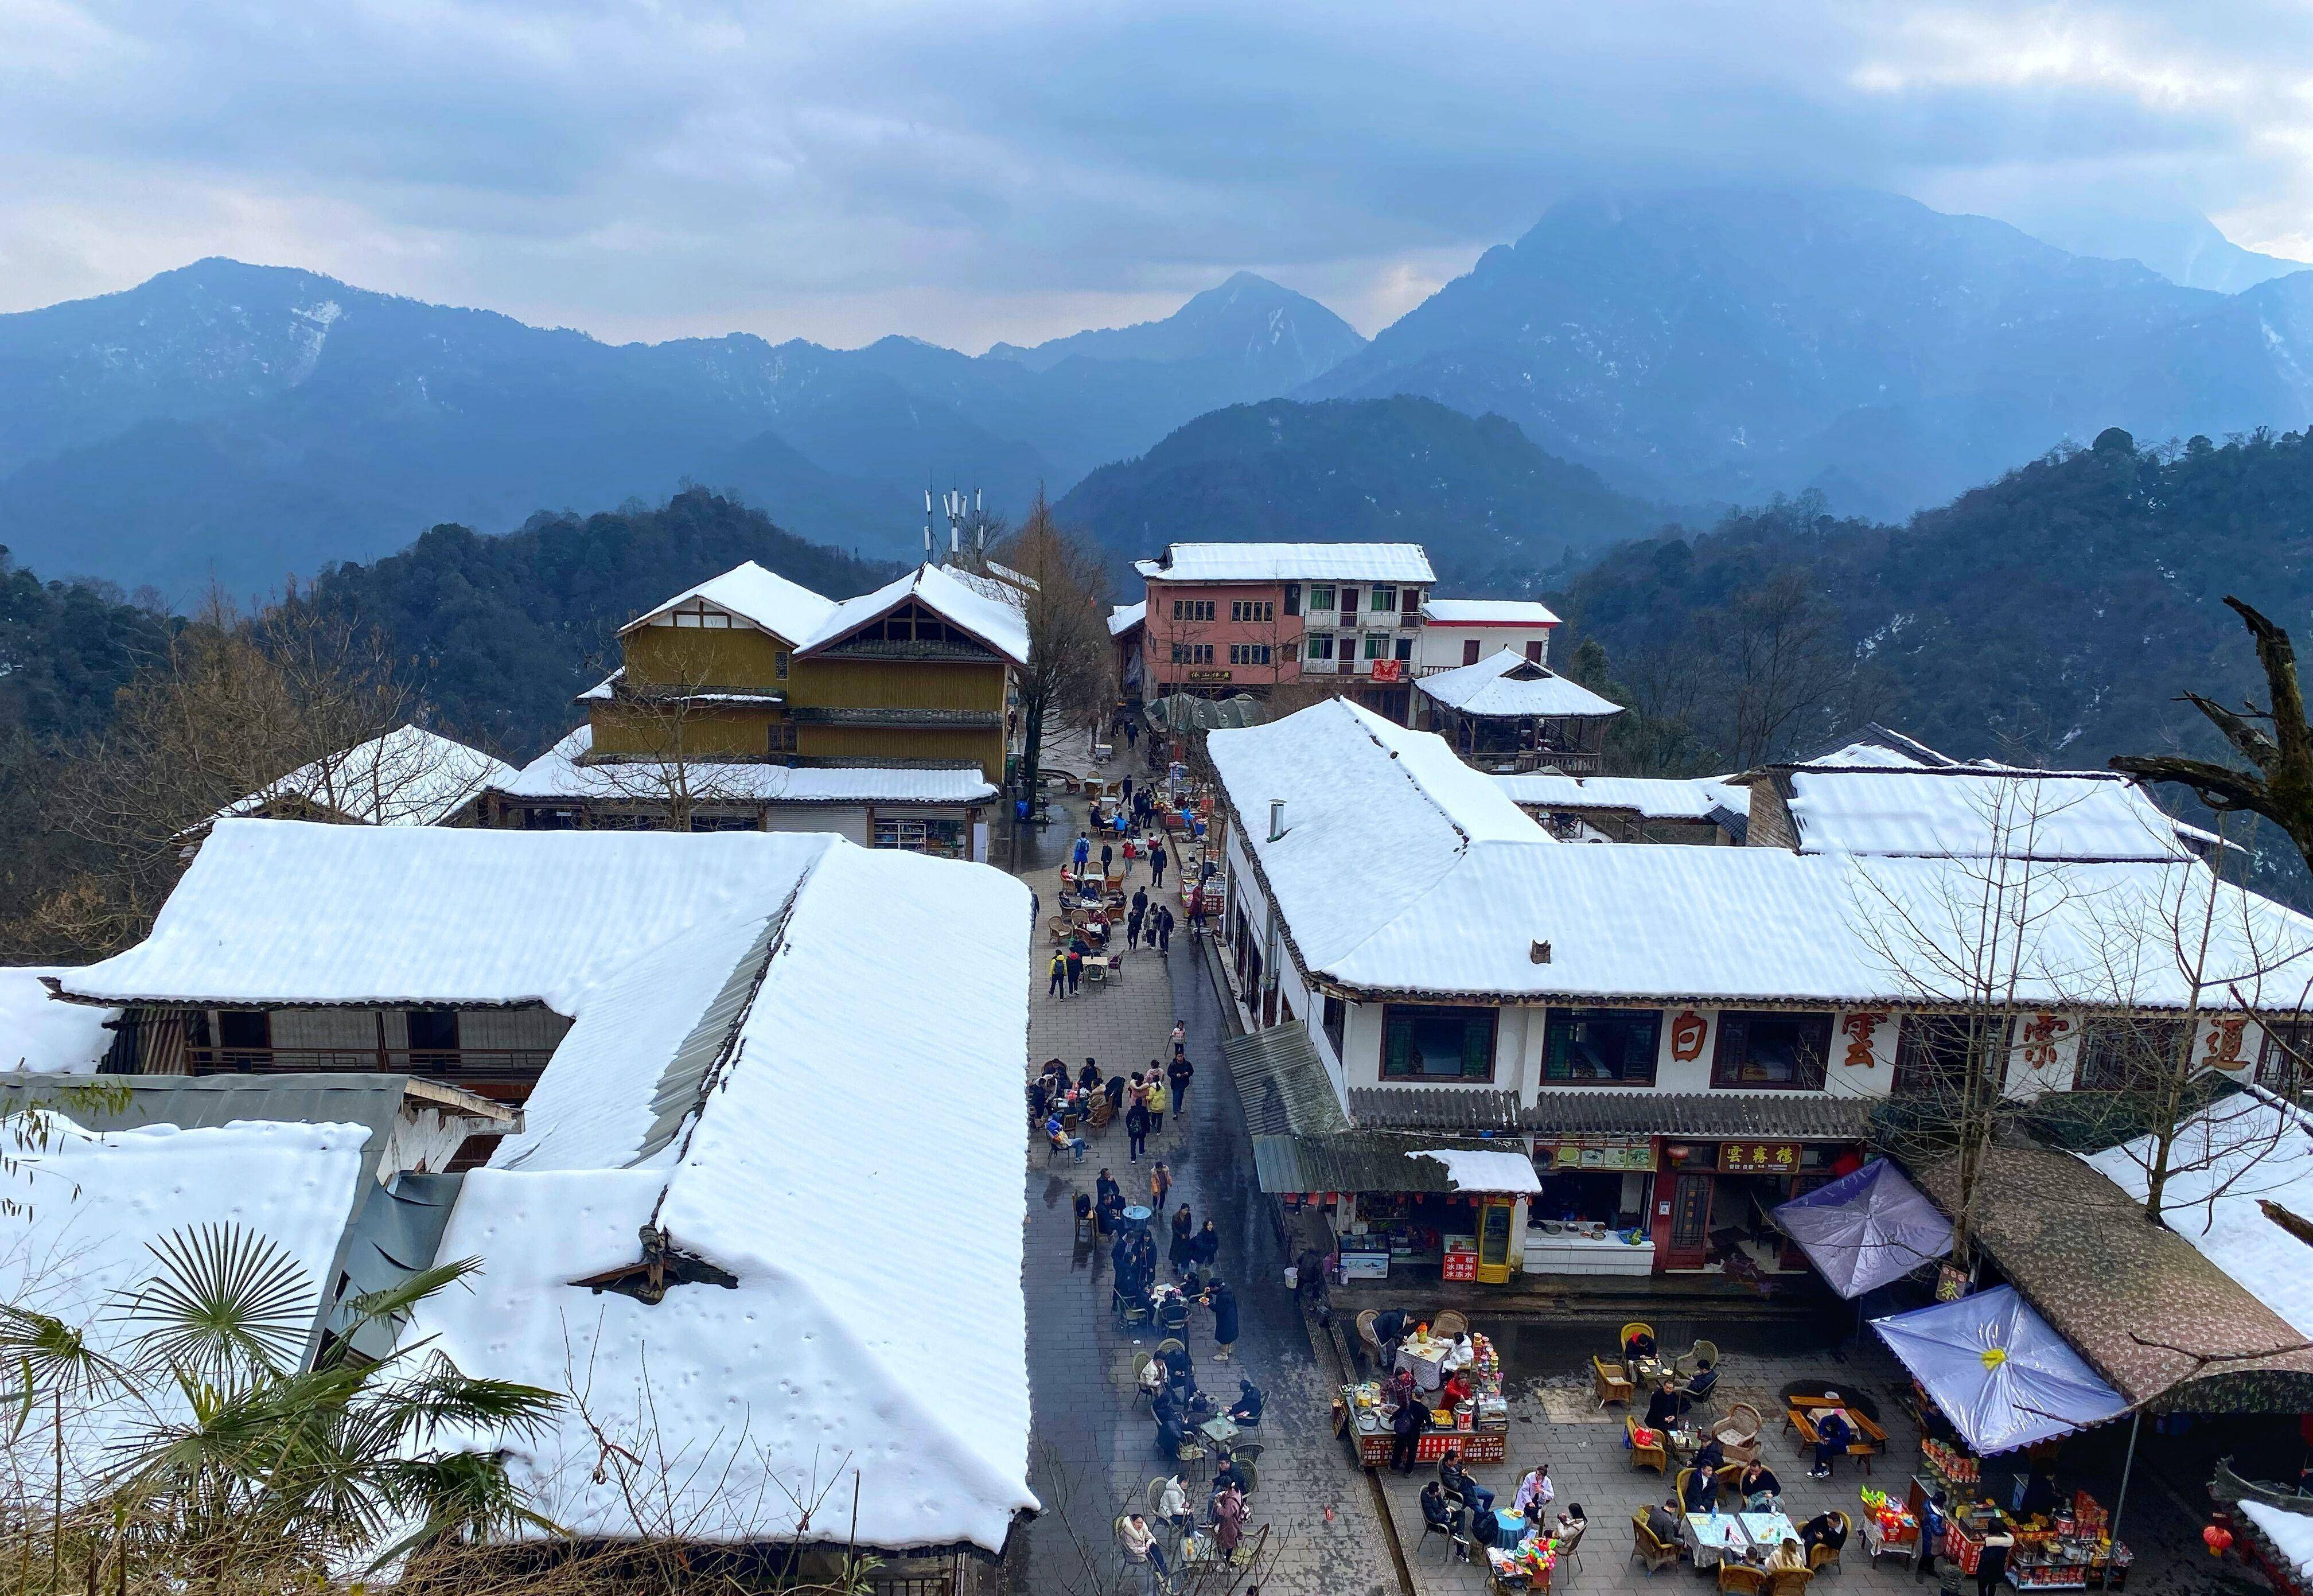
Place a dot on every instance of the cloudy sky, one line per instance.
(1013, 169)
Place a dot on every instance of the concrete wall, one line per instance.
(1441, 647)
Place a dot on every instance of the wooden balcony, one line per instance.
(504, 1075)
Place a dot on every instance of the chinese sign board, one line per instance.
(1759, 1158)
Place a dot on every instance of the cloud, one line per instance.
(1017, 168)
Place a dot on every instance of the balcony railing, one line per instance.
(454, 1066)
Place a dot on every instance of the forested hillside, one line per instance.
(1494, 510)
(501, 632)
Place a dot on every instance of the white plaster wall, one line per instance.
(1873, 1079)
(2044, 1065)
(1440, 647)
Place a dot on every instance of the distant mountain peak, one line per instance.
(1245, 320)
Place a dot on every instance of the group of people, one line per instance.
(1446, 1499)
(1154, 922)
(1143, 1102)
(1667, 1524)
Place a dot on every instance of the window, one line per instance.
(1293, 598)
(1193, 609)
(1534, 652)
(782, 736)
(1405, 648)
(1287, 653)
(1377, 645)
(1436, 1044)
(1253, 609)
(1321, 596)
(1601, 1045)
(1192, 653)
(1335, 1019)
(245, 1035)
(2119, 1054)
(1773, 1050)
(2285, 1058)
(779, 665)
(1469, 650)
(726, 822)
(432, 1031)
(1349, 601)
(1383, 598)
(1321, 644)
(1932, 1055)
(1248, 653)
(942, 838)
(1410, 601)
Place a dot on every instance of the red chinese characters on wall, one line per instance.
(1860, 1025)
(2041, 1033)
(1686, 1033)
(2224, 1049)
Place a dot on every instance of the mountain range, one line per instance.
(1698, 347)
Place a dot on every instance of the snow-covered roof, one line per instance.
(1000, 625)
(1123, 617)
(1290, 562)
(785, 609)
(1486, 612)
(1652, 798)
(718, 984)
(1473, 1171)
(41, 1036)
(86, 1205)
(409, 777)
(2292, 1533)
(2240, 1151)
(1971, 811)
(1870, 756)
(557, 774)
(1508, 683)
(1441, 903)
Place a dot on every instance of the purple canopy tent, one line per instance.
(1867, 1229)
(1998, 1372)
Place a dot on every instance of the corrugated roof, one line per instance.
(1282, 1083)
(1800, 1116)
(1650, 797)
(1290, 562)
(2167, 1328)
(1358, 1161)
(1971, 812)
(393, 1236)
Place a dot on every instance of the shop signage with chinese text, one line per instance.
(1759, 1158)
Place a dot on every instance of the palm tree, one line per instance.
(249, 1451)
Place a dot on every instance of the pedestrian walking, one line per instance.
(1132, 926)
(1158, 859)
(1184, 1239)
(1223, 1302)
(1083, 851)
(1160, 1187)
(1075, 970)
(1135, 1128)
(1107, 855)
(1128, 790)
(1205, 1246)
(1060, 986)
(1163, 932)
(1179, 1071)
(1159, 1100)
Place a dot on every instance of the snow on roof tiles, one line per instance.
(1123, 617)
(1971, 812)
(557, 774)
(2238, 1152)
(1486, 612)
(41, 1036)
(1653, 798)
(825, 1356)
(785, 609)
(1382, 892)
(407, 777)
(1507, 683)
(1001, 626)
(1291, 562)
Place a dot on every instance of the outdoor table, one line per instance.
(1798, 1414)
(1425, 1361)
(1648, 1370)
(1510, 1528)
(1136, 1218)
(1220, 1430)
(1711, 1536)
(1767, 1530)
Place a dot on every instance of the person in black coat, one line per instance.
(1136, 1129)
(1223, 1302)
(1407, 1425)
(1205, 1250)
(1246, 1408)
(1180, 1073)
(1184, 1239)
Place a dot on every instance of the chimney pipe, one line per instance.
(1276, 818)
(1541, 953)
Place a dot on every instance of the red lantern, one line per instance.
(2218, 1539)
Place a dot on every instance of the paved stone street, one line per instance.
(1095, 1452)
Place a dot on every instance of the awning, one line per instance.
(1866, 1229)
(1364, 1161)
(1471, 1171)
(1998, 1372)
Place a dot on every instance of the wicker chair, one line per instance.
(1366, 1333)
(1609, 1381)
(1820, 1557)
(1102, 1111)
(1140, 1391)
(1651, 1454)
(1788, 1582)
(1741, 1578)
(1449, 1325)
(1738, 1433)
(1701, 1356)
(1633, 1329)
(1649, 1549)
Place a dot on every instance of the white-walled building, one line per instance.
(1681, 1036)
(1459, 631)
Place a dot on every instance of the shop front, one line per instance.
(1714, 1200)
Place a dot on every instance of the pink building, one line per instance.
(1224, 618)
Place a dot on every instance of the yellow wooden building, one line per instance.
(749, 702)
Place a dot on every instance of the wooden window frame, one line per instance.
(1557, 1033)
(1730, 1049)
(1394, 1015)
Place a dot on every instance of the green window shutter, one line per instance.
(1477, 1048)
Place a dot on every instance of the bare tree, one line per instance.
(1063, 588)
(678, 752)
(235, 707)
(1783, 658)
